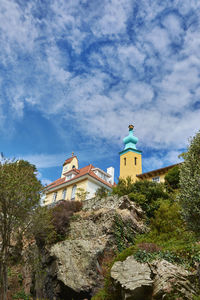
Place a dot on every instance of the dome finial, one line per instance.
(130, 141)
(131, 127)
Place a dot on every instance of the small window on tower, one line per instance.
(135, 161)
(125, 161)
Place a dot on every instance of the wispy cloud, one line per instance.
(101, 65)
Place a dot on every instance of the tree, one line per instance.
(19, 195)
(190, 185)
(172, 178)
(147, 194)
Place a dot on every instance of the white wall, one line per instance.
(91, 188)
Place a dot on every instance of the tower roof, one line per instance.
(130, 141)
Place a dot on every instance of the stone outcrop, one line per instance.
(134, 278)
(74, 265)
(155, 280)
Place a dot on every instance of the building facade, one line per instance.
(76, 184)
(131, 162)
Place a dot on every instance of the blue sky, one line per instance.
(75, 73)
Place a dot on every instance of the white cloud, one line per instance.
(116, 65)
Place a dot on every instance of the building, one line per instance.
(157, 175)
(131, 162)
(74, 181)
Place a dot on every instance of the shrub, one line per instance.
(147, 194)
(124, 233)
(172, 178)
(62, 213)
(101, 192)
(50, 225)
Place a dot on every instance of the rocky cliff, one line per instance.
(74, 268)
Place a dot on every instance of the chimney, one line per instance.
(111, 171)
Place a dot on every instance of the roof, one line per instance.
(73, 170)
(82, 172)
(67, 161)
(156, 172)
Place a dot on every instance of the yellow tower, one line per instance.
(130, 157)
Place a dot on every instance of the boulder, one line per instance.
(155, 280)
(170, 278)
(134, 278)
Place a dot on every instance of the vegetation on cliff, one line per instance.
(173, 215)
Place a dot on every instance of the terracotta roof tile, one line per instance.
(67, 161)
(56, 182)
(83, 171)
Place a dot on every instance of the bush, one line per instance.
(62, 213)
(147, 194)
(101, 192)
(50, 225)
(172, 178)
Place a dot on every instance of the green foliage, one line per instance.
(19, 196)
(42, 227)
(50, 225)
(167, 222)
(172, 178)
(21, 295)
(101, 192)
(81, 194)
(123, 232)
(168, 237)
(124, 186)
(122, 256)
(167, 230)
(147, 194)
(190, 185)
(101, 295)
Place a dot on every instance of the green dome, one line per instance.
(130, 141)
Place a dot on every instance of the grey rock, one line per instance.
(155, 280)
(134, 278)
(77, 262)
(170, 278)
(92, 235)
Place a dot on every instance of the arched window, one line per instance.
(135, 161)
(73, 192)
(64, 194)
(125, 161)
(54, 196)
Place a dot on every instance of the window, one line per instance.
(73, 192)
(70, 176)
(54, 196)
(135, 161)
(65, 168)
(64, 194)
(125, 161)
(156, 179)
